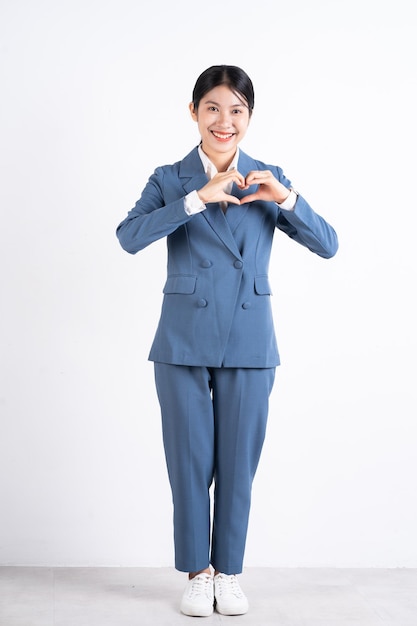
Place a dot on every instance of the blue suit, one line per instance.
(216, 316)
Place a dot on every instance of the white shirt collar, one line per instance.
(209, 168)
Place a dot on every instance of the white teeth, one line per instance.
(222, 135)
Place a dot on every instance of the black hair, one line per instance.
(233, 77)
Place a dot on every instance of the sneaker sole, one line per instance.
(193, 611)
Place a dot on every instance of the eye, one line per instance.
(212, 108)
(237, 111)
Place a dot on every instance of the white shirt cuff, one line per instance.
(193, 204)
(289, 202)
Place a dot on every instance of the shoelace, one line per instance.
(228, 584)
(201, 585)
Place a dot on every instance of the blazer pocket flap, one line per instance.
(180, 284)
(262, 287)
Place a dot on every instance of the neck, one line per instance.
(220, 161)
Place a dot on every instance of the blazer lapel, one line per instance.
(219, 223)
(191, 172)
(193, 177)
(235, 212)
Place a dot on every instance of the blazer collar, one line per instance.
(192, 177)
(191, 172)
(192, 167)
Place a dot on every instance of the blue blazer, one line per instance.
(216, 309)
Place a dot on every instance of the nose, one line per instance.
(224, 118)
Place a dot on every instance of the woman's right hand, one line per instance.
(214, 190)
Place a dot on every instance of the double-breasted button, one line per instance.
(238, 264)
(202, 303)
(246, 305)
(206, 263)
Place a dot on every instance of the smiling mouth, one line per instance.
(222, 136)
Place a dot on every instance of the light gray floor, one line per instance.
(31, 596)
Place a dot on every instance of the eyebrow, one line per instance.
(232, 106)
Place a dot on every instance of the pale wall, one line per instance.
(94, 97)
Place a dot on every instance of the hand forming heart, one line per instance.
(269, 188)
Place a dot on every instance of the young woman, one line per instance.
(214, 350)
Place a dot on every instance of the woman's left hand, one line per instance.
(270, 189)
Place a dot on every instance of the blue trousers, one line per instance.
(213, 423)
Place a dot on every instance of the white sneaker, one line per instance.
(230, 599)
(198, 598)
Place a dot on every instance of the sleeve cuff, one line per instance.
(289, 202)
(193, 204)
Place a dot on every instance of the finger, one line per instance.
(249, 198)
(231, 199)
(260, 177)
(238, 178)
(233, 173)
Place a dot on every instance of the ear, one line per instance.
(193, 112)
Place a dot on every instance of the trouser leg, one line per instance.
(214, 422)
(188, 434)
(240, 398)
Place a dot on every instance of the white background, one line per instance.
(94, 96)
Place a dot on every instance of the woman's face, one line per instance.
(223, 119)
